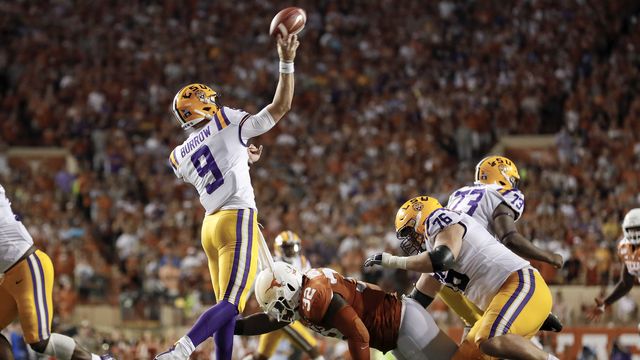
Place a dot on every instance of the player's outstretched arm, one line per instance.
(343, 317)
(257, 324)
(441, 258)
(281, 103)
(504, 226)
(622, 288)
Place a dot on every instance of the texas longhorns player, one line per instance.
(629, 252)
(286, 248)
(462, 255)
(344, 308)
(214, 159)
(26, 287)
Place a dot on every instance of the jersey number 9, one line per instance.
(209, 166)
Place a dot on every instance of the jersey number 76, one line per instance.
(209, 166)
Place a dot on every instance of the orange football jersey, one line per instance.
(630, 257)
(380, 312)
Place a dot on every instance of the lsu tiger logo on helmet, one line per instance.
(410, 220)
(194, 103)
(497, 170)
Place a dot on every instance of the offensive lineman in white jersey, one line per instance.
(214, 159)
(496, 203)
(26, 287)
(462, 255)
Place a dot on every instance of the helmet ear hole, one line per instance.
(206, 108)
(291, 287)
(502, 183)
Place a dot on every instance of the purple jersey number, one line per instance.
(441, 220)
(472, 203)
(517, 201)
(209, 166)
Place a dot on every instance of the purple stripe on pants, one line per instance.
(508, 304)
(524, 302)
(44, 295)
(35, 295)
(247, 265)
(236, 255)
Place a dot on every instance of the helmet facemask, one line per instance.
(283, 310)
(290, 250)
(513, 181)
(632, 234)
(410, 240)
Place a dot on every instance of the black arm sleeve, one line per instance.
(622, 287)
(422, 299)
(257, 324)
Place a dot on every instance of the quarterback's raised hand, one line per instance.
(287, 47)
(375, 259)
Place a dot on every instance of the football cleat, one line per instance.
(497, 170)
(181, 350)
(287, 246)
(552, 323)
(631, 226)
(278, 291)
(193, 104)
(410, 220)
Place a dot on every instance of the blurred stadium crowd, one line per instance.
(391, 101)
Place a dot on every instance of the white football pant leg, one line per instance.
(420, 337)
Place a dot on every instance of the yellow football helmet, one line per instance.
(287, 245)
(410, 220)
(195, 103)
(497, 170)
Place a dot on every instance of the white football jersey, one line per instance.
(14, 237)
(482, 265)
(480, 201)
(215, 160)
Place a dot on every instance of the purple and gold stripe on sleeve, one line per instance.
(172, 160)
(221, 119)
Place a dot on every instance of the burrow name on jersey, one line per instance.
(193, 143)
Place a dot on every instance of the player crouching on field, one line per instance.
(344, 308)
(287, 248)
(462, 255)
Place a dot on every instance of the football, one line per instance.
(288, 21)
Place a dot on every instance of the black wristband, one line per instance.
(423, 299)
